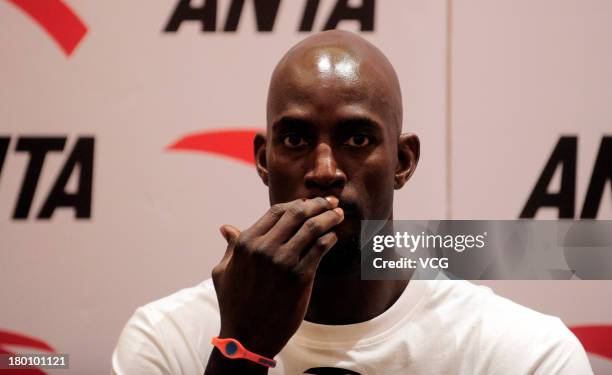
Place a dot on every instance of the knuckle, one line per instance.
(322, 201)
(259, 251)
(322, 243)
(313, 226)
(280, 262)
(216, 273)
(301, 276)
(277, 209)
(298, 211)
(243, 241)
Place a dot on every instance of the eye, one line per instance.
(358, 140)
(294, 141)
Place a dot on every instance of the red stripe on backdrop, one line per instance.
(237, 144)
(15, 339)
(60, 22)
(595, 339)
(11, 338)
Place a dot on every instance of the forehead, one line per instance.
(331, 82)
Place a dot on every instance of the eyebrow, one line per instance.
(362, 122)
(289, 122)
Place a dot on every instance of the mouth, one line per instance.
(350, 208)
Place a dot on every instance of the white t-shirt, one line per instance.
(435, 327)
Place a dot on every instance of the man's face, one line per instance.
(333, 130)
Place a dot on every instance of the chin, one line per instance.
(348, 230)
(345, 257)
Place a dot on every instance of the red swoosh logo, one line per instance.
(15, 339)
(58, 20)
(595, 339)
(236, 144)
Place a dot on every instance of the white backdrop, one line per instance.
(489, 87)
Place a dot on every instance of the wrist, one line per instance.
(253, 344)
(234, 349)
(220, 364)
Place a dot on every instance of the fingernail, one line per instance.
(339, 211)
(333, 200)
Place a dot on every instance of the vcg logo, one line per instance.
(266, 11)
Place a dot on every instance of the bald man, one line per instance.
(287, 296)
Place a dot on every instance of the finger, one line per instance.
(311, 259)
(312, 229)
(295, 216)
(267, 221)
(231, 234)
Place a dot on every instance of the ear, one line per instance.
(259, 147)
(408, 151)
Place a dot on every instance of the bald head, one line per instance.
(344, 64)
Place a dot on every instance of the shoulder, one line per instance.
(168, 332)
(184, 303)
(188, 311)
(504, 332)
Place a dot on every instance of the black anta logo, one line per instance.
(266, 12)
(564, 157)
(330, 371)
(79, 161)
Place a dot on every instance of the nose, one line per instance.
(324, 176)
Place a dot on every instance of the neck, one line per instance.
(360, 300)
(343, 297)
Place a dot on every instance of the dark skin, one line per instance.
(332, 156)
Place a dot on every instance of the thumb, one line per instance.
(230, 233)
